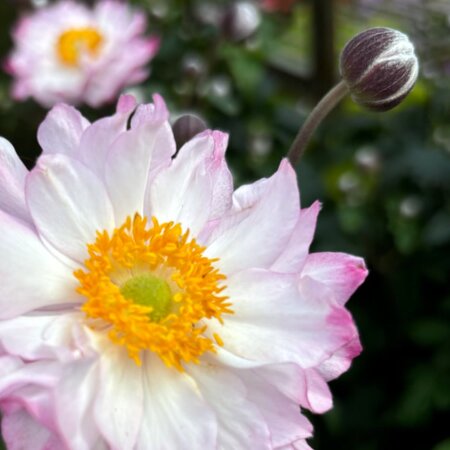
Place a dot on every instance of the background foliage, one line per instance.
(384, 180)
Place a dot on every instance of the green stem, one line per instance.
(322, 109)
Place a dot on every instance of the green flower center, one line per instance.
(148, 290)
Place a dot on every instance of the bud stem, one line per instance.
(322, 109)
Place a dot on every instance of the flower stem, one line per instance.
(331, 99)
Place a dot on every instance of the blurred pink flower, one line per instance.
(118, 330)
(278, 5)
(67, 52)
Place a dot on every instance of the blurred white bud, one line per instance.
(193, 65)
(411, 207)
(240, 21)
(368, 159)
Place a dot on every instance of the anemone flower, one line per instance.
(145, 304)
(68, 52)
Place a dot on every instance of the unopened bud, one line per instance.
(379, 67)
(240, 21)
(186, 127)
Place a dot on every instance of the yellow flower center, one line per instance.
(76, 40)
(151, 287)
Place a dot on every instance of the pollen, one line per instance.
(71, 43)
(150, 288)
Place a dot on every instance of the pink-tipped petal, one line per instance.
(340, 361)
(341, 272)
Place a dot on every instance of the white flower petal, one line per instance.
(68, 204)
(96, 141)
(120, 394)
(31, 277)
(175, 415)
(74, 396)
(61, 130)
(136, 156)
(12, 182)
(241, 424)
(196, 187)
(256, 234)
(295, 253)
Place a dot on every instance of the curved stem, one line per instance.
(331, 99)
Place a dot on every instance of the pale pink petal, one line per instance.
(282, 415)
(171, 403)
(40, 373)
(305, 387)
(296, 251)
(241, 426)
(156, 114)
(113, 16)
(9, 364)
(341, 272)
(269, 218)
(43, 336)
(31, 277)
(61, 130)
(74, 414)
(12, 182)
(196, 187)
(96, 141)
(68, 203)
(21, 432)
(136, 156)
(121, 69)
(120, 392)
(298, 445)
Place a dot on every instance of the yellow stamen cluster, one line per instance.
(76, 40)
(135, 249)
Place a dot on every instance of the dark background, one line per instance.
(384, 180)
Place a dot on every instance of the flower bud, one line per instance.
(186, 127)
(379, 67)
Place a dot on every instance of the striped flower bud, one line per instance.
(379, 67)
(186, 127)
